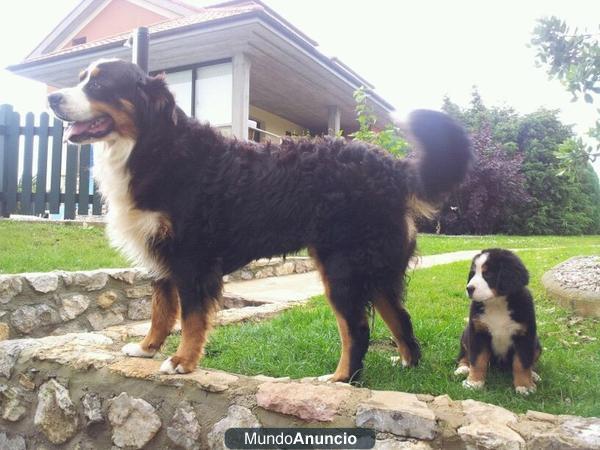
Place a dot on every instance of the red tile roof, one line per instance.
(205, 15)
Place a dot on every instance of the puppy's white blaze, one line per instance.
(470, 384)
(75, 105)
(482, 290)
(128, 228)
(136, 350)
(496, 317)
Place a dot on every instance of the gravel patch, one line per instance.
(581, 273)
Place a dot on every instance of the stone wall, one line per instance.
(78, 391)
(41, 304)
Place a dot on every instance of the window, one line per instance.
(180, 84)
(79, 41)
(214, 85)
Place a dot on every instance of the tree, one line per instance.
(574, 59)
(519, 153)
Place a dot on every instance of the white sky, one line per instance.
(413, 52)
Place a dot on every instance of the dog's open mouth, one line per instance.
(95, 128)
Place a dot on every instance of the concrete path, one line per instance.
(293, 288)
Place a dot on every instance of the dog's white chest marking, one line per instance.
(501, 326)
(128, 228)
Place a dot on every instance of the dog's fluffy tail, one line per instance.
(443, 158)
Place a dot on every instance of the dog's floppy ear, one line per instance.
(512, 275)
(158, 101)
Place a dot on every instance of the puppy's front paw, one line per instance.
(472, 384)
(462, 371)
(172, 366)
(136, 350)
(326, 378)
(536, 378)
(396, 360)
(525, 390)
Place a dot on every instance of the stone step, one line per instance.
(79, 391)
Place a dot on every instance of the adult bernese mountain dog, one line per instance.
(192, 205)
(501, 328)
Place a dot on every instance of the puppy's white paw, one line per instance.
(326, 378)
(535, 376)
(168, 367)
(471, 384)
(398, 360)
(136, 350)
(525, 390)
(462, 371)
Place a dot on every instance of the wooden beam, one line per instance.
(240, 110)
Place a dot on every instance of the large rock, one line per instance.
(55, 415)
(10, 286)
(134, 421)
(9, 353)
(306, 401)
(478, 435)
(90, 281)
(139, 309)
(27, 318)
(42, 282)
(184, 429)
(583, 432)
(13, 408)
(237, 417)
(106, 299)
(139, 291)
(398, 413)
(4, 331)
(73, 306)
(99, 320)
(15, 443)
(92, 408)
(476, 411)
(393, 444)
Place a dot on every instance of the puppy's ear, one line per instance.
(512, 276)
(158, 99)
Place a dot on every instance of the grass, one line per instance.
(304, 341)
(42, 247)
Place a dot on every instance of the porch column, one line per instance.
(333, 121)
(240, 110)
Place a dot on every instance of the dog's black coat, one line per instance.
(507, 276)
(229, 202)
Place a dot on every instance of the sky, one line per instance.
(415, 53)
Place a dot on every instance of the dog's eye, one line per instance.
(94, 85)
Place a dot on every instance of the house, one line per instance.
(237, 64)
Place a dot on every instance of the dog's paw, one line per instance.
(136, 350)
(326, 378)
(525, 390)
(535, 376)
(462, 371)
(169, 367)
(397, 360)
(472, 384)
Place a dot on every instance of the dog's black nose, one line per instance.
(54, 99)
(470, 290)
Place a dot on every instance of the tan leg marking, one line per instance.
(389, 316)
(522, 377)
(165, 309)
(194, 332)
(478, 371)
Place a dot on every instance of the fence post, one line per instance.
(5, 113)
(139, 54)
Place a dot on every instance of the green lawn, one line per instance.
(40, 247)
(304, 341)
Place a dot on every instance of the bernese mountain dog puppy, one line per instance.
(501, 329)
(192, 205)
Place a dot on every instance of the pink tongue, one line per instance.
(93, 126)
